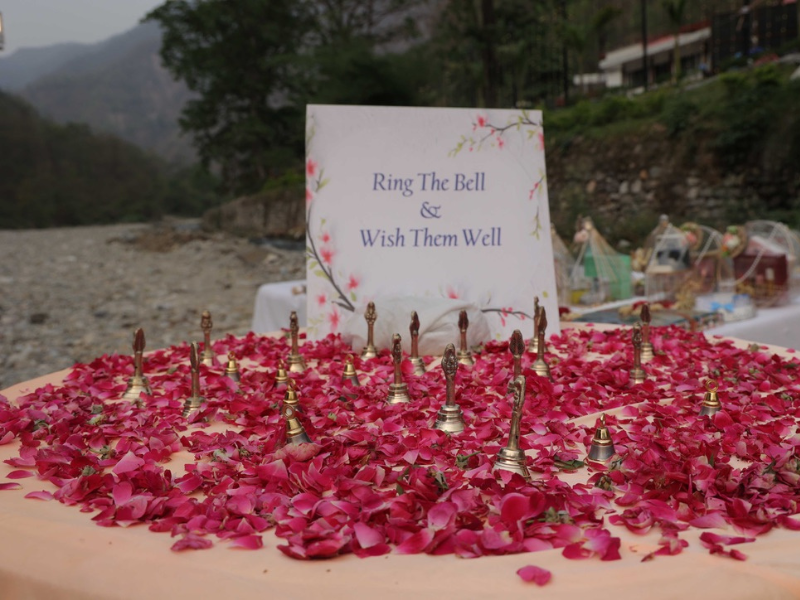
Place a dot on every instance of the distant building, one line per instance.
(624, 66)
(704, 47)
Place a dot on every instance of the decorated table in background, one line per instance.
(384, 483)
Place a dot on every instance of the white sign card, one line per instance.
(431, 202)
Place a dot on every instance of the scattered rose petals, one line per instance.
(378, 479)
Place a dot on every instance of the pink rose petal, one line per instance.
(129, 462)
(40, 495)
(247, 542)
(192, 542)
(367, 536)
(417, 543)
(534, 574)
(10, 486)
(20, 474)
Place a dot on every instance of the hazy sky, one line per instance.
(30, 23)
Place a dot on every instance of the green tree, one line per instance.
(244, 61)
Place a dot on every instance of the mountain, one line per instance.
(61, 175)
(29, 64)
(117, 86)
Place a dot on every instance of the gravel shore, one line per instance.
(69, 295)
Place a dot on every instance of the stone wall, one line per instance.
(625, 183)
(274, 213)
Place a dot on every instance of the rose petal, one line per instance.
(417, 543)
(10, 486)
(20, 474)
(537, 575)
(40, 495)
(709, 521)
(191, 542)
(367, 536)
(247, 542)
(129, 462)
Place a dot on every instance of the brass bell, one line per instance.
(232, 369)
(295, 433)
(602, 449)
(511, 457)
(138, 382)
(415, 358)
(281, 378)
(208, 358)
(450, 418)
(711, 403)
(637, 373)
(290, 397)
(296, 362)
(540, 366)
(370, 315)
(464, 355)
(647, 346)
(398, 389)
(195, 400)
(349, 373)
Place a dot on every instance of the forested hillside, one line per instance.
(52, 175)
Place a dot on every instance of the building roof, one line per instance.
(617, 58)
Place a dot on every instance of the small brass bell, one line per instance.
(711, 403)
(232, 368)
(450, 418)
(637, 373)
(281, 378)
(398, 389)
(511, 457)
(195, 400)
(602, 449)
(464, 355)
(295, 433)
(290, 397)
(208, 357)
(647, 346)
(138, 382)
(540, 365)
(516, 346)
(296, 362)
(349, 373)
(415, 359)
(370, 315)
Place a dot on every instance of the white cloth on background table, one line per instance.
(779, 326)
(438, 324)
(275, 302)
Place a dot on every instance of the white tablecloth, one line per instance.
(274, 304)
(779, 326)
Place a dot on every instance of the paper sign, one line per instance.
(427, 202)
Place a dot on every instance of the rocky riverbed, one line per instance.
(69, 295)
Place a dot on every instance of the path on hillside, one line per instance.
(69, 295)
